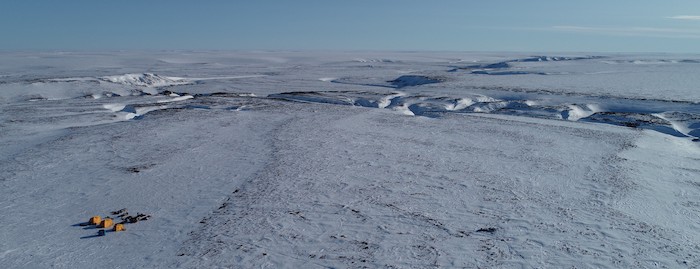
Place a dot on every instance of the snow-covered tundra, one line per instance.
(350, 160)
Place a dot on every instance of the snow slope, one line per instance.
(311, 160)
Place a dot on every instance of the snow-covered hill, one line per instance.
(146, 80)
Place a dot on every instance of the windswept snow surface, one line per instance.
(350, 160)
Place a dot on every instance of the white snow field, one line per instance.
(350, 160)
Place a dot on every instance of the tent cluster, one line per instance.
(108, 222)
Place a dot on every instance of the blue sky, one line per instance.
(493, 25)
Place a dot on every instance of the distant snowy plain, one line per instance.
(351, 159)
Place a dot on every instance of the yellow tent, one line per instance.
(106, 223)
(95, 220)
